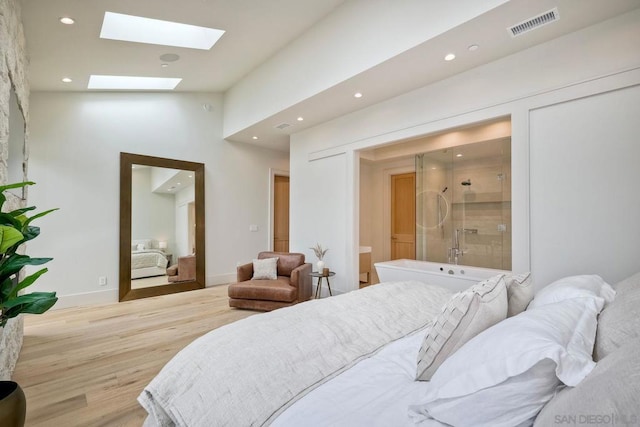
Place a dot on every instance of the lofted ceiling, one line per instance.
(256, 30)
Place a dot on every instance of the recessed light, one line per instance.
(132, 83)
(169, 57)
(179, 183)
(164, 65)
(67, 21)
(190, 176)
(357, 95)
(300, 119)
(473, 47)
(255, 137)
(450, 57)
(117, 26)
(66, 80)
(459, 155)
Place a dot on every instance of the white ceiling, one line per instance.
(256, 30)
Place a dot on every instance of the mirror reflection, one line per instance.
(162, 226)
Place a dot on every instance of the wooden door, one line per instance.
(281, 213)
(403, 216)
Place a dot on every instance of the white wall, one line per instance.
(76, 139)
(585, 179)
(594, 60)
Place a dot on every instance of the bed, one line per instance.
(147, 259)
(407, 353)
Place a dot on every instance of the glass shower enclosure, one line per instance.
(463, 205)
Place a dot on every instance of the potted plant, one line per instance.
(320, 252)
(16, 229)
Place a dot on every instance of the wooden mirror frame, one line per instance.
(126, 161)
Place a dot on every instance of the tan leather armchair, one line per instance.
(292, 286)
(184, 270)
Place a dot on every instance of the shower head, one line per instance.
(445, 189)
(466, 183)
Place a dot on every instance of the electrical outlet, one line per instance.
(253, 227)
(102, 280)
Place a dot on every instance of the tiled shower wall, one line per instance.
(13, 72)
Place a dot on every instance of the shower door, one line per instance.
(463, 205)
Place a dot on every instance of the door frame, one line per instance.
(270, 214)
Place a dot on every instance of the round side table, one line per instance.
(321, 276)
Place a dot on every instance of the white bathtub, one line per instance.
(454, 277)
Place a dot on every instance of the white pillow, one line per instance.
(574, 287)
(463, 317)
(519, 292)
(140, 246)
(503, 377)
(265, 269)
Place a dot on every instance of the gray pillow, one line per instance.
(629, 284)
(610, 392)
(619, 322)
(519, 292)
(265, 269)
(463, 317)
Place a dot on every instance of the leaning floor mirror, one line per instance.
(161, 226)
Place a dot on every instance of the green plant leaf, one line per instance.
(34, 303)
(3, 188)
(41, 214)
(9, 236)
(30, 233)
(11, 265)
(21, 211)
(6, 287)
(10, 220)
(28, 281)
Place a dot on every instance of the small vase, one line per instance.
(13, 404)
(320, 265)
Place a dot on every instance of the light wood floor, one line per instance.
(86, 366)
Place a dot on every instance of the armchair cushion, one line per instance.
(268, 290)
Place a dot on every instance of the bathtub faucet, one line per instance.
(455, 252)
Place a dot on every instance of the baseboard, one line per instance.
(108, 296)
(220, 279)
(89, 298)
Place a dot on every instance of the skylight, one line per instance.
(117, 26)
(132, 83)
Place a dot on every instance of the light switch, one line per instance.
(253, 227)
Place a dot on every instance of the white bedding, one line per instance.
(249, 372)
(148, 258)
(377, 391)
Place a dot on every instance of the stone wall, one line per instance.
(13, 73)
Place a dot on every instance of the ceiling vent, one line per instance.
(283, 126)
(534, 23)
